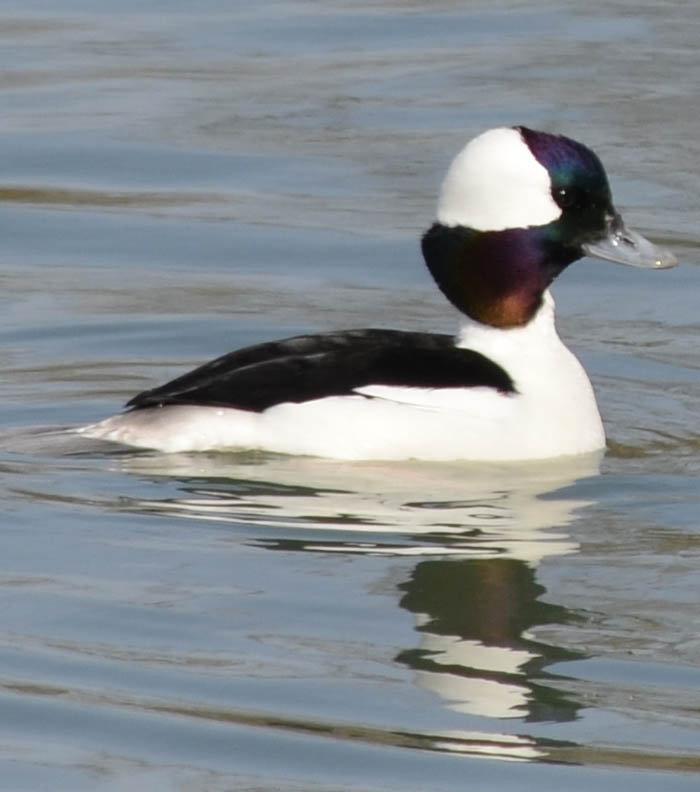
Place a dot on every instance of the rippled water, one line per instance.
(175, 183)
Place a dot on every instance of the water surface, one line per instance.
(178, 182)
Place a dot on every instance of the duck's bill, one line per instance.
(628, 247)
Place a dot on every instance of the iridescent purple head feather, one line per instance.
(569, 163)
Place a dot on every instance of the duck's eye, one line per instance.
(568, 197)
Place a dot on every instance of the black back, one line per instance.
(330, 364)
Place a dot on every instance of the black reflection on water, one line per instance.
(493, 603)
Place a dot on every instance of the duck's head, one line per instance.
(516, 208)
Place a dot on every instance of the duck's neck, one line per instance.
(497, 278)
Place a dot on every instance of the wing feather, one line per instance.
(310, 367)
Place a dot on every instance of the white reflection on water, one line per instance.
(474, 695)
(461, 509)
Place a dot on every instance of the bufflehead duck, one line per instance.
(516, 208)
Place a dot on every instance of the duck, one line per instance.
(516, 208)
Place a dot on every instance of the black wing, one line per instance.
(330, 364)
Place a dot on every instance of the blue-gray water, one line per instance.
(178, 182)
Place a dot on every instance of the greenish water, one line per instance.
(174, 184)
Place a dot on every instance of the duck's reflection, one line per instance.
(474, 618)
(478, 534)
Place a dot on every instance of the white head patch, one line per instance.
(494, 183)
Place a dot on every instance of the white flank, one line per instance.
(495, 183)
(554, 413)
